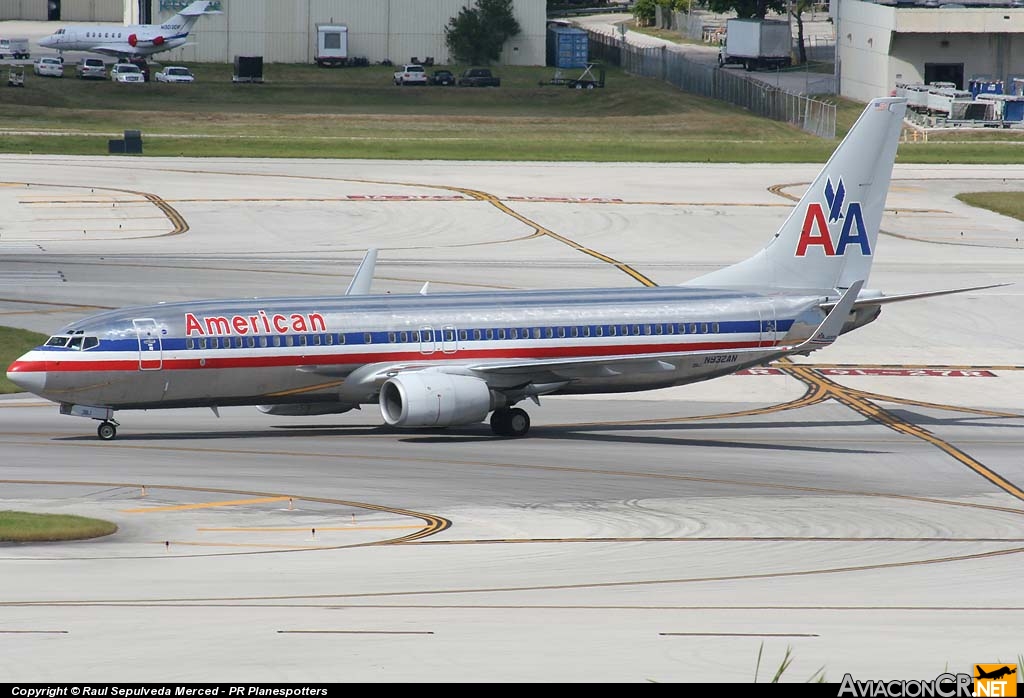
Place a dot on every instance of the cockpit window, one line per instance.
(90, 342)
(76, 342)
(57, 342)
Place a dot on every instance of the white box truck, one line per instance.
(15, 48)
(756, 44)
(331, 45)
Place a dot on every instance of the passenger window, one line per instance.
(289, 341)
(625, 330)
(490, 334)
(391, 337)
(202, 342)
(714, 328)
(341, 339)
(586, 331)
(704, 328)
(514, 333)
(613, 330)
(190, 343)
(536, 333)
(501, 333)
(317, 340)
(463, 335)
(693, 328)
(449, 335)
(277, 340)
(548, 332)
(575, 332)
(303, 340)
(657, 329)
(561, 332)
(476, 335)
(251, 341)
(599, 330)
(263, 341)
(647, 329)
(330, 340)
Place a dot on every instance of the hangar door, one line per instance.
(944, 72)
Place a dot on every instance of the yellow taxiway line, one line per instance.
(307, 528)
(206, 505)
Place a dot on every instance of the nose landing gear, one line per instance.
(107, 429)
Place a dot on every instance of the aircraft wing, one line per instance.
(825, 334)
(116, 51)
(536, 376)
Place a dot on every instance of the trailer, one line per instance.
(331, 45)
(585, 81)
(756, 44)
(15, 48)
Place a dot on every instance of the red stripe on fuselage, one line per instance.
(212, 358)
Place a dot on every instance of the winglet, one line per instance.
(832, 325)
(360, 284)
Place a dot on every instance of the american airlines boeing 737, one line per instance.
(453, 359)
(127, 41)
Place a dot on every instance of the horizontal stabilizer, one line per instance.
(882, 299)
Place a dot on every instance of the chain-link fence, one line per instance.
(772, 102)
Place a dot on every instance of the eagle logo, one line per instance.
(835, 198)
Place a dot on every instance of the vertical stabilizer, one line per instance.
(828, 240)
(182, 23)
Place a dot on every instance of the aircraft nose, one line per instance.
(26, 377)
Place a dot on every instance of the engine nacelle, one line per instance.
(136, 40)
(305, 409)
(434, 399)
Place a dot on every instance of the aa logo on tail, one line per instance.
(816, 232)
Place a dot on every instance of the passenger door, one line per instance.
(151, 346)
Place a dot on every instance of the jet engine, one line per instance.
(434, 399)
(305, 409)
(136, 40)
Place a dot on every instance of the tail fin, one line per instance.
(828, 241)
(183, 21)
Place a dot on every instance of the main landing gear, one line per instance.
(107, 429)
(510, 422)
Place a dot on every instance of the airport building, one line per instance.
(882, 43)
(284, 31)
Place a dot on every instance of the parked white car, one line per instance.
(126, 72)
(175, 73)
(48, 65)
(411, 75)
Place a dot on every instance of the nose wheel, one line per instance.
(510, 422)
(107, 430)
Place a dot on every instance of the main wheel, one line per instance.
(518, 422)
(106, 431)
(500, 421)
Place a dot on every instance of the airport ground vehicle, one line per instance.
(411, 74)
(15, 48)
(756, 44)
(175, 73)
(15, 77)
(479, 77)
(126, 72)
(91, 68)
(48, 65)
